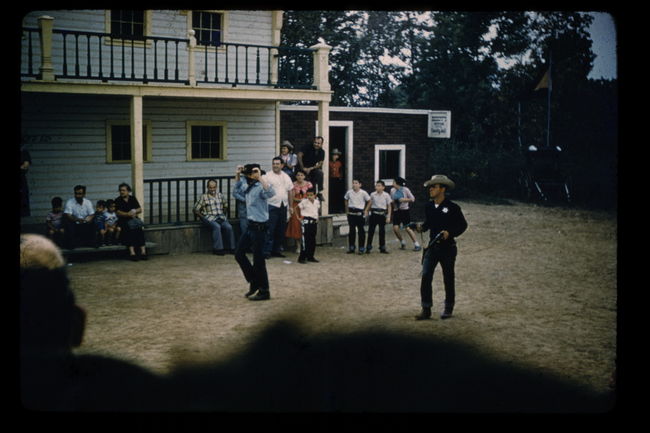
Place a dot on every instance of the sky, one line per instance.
(603, 34)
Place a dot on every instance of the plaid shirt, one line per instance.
(211, 207)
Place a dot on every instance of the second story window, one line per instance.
(127, 24)
(208, 27)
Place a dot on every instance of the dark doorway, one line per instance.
(337, 176)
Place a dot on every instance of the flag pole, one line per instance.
(519, 122)
(548, 96)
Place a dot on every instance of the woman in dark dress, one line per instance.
(127, 209)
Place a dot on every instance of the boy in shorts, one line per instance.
(402, 198)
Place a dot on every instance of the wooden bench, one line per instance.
(105, 249)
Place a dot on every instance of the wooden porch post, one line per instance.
(321, 82)
(324, 131)
(46, 23)
(276, 27)
(191, 67)
(137, 170)
(321, 66)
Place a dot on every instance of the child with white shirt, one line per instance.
(112, 229)
(355, 201)
(309, 222)
(380, 212)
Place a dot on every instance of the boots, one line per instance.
(425, 314)
(251, 291)
(446, 314)
(262, 295)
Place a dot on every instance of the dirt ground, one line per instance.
(536, 287)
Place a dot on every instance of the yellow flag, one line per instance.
(545, 82)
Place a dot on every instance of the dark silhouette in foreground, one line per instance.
(284, 370)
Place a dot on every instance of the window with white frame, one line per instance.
(208, 27)
(390, 162)
(206, 141)
(127, 24)
(118, 141)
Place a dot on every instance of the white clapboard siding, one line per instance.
(66, 137)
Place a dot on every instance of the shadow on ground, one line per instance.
(286, 371)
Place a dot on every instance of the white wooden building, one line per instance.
(161, 100)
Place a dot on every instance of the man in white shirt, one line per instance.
(283, 187)
(78, 215)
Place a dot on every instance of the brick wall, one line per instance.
(371, 129)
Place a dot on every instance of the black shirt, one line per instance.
(311, 155)
(125, 206)
(447, 216)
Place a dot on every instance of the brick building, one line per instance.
(376, 143)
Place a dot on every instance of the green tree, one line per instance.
(358, 40)
(453, 60)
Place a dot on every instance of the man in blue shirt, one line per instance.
(237, 193)
(257, 191)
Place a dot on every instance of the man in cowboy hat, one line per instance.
(444, 218)
(256, 192)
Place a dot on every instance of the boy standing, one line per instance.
(380, 213)
(309, 221)
(355, 207)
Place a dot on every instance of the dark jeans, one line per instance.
(277, 225)
(446, 256)
(373, 222)
(255, 273)
(356, 223)
(316, 178)
(308, 241)
(221, 230)
(79, 235)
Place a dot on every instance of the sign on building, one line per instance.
(439, 125)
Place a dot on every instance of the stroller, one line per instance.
(543, 178)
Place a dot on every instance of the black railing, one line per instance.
(171, 200)
(100, 56)
(30, 37)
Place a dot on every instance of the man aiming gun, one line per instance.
(445, 221)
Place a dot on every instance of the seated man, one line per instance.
(310, 160)
(78, 216)
(209, 208)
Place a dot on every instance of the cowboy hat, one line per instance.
(288, 144)
(440, 179)
(248, 169)
(336, 152)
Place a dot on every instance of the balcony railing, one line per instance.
(171, 200)
(57, 54)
